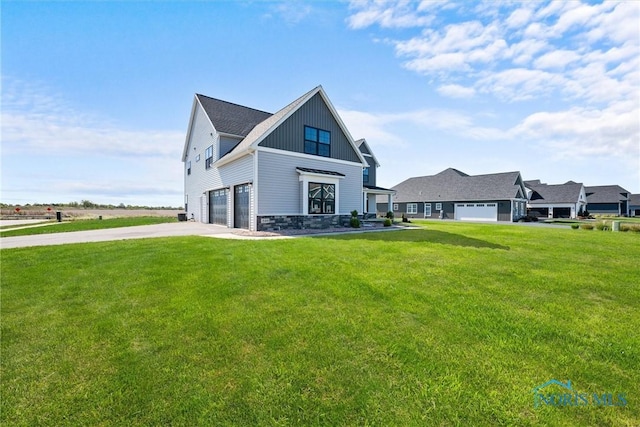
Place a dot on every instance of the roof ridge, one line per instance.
(233, 103)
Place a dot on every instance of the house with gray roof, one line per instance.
(608, 200)
(566, 200)
(634, 205)
(297, 168)
(452, 194)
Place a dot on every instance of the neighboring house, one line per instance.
(372, 192)
(297, 168)
(555, 201)
(634, 205)
(608, 200)
(455, 195)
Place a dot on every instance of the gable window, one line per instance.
(208, 157)
(412, 208)
(365, 175)
(317, 141)
(189, 167)
(322, 198)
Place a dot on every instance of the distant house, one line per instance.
(608, 200)
(297, 168)
(634, 205)
(555, 201)
(452, 194)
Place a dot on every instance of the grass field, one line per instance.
(85, 224)
(452, 324)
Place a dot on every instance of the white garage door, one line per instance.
(476, 211)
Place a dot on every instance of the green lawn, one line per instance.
(87, 224)
(453, 324)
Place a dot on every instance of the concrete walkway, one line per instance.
(123, 233)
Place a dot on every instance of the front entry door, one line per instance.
(241, 206)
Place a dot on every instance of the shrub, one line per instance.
(390, 215)
(630, 227)
(354, 213)
(602, 226)
(586, 226)
(404, 218)
(387, 222)
(354, 222)
(575, 226)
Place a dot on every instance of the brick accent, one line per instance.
(302, 222)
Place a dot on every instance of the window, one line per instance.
(208, 157)
(317, 141)
(438, 206)
(322, 198)
(189, 167)
(412, 208)
(365, 175)
(395, 206)
(427, 210)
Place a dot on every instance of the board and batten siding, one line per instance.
(289, 135)
(279, 186)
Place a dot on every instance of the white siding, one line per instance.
(279, 187)
(203, 180)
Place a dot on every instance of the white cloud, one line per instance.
(557, 59)
(387, 14)
(83, 155)
(456, 91)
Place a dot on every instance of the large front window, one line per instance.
(317, 141)
(322, 198)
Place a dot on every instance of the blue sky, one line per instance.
(96, 96)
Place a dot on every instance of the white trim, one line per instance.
(307, 156)
(306, 178)
(253, 221)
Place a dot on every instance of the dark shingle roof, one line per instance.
(560, 193)
(454, 185)
(231, 118)
(634, 200)
(319, 171)
(606, 194)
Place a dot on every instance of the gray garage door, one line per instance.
(218, 206)
(241, 206)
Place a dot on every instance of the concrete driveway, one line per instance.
(124, 233)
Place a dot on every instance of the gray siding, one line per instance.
(227, 144)
(504, 210)
(372, 171)
(289, 135)
(279, 187)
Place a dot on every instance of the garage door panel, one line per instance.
(476, 211)
(218, 207)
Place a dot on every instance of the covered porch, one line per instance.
(370, 198)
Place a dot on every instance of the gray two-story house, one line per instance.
(296, 168)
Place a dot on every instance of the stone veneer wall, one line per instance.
(302, 222)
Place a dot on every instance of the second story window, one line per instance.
(208, 157)
(365, 175)
(189, 167)
(317, 141)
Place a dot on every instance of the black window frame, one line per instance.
(208, 154)
(313, 144)
(189, 167)
(323, 200)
